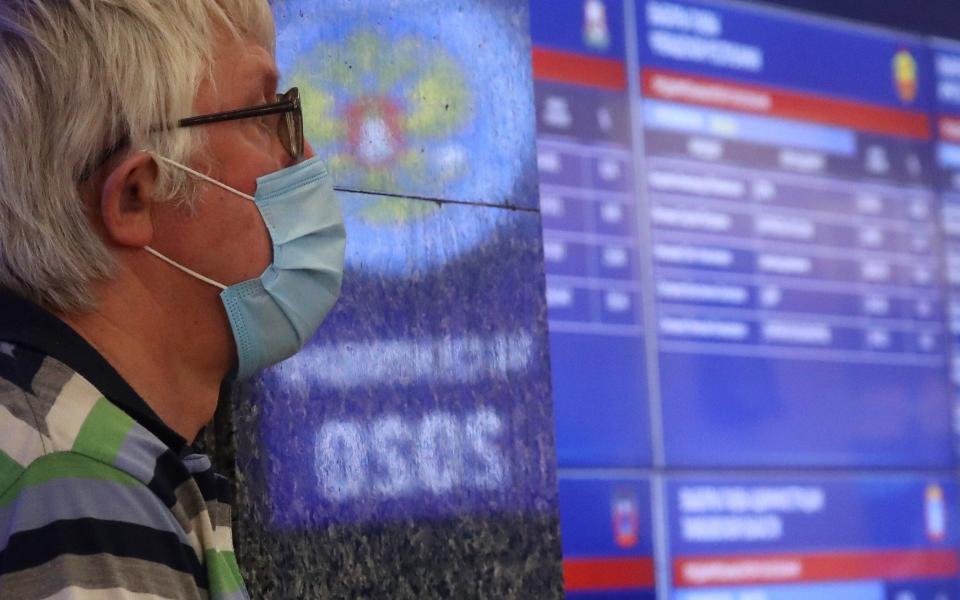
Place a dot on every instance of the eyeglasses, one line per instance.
(289, 126)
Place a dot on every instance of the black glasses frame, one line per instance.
(289, 128)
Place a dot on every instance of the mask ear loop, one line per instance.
(200, 175)
(190, 272)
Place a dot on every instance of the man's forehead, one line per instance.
(241, 71)
(262, 66)
(246, 58)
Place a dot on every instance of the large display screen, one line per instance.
(752, 249)
(425, 394)
(810, 279)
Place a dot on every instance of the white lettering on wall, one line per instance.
(394, 457)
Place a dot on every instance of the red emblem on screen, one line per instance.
(626, 519)
(373, 131)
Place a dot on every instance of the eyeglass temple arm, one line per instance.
(243, 113)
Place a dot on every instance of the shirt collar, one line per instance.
(24, 323)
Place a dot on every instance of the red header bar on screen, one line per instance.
(599, 574)
(793, 568)
(718, 93)
(577, 69)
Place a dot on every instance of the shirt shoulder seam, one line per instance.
(83, 455)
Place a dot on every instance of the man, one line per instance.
(163, 227)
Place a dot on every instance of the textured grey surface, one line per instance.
(465, 557)
(409, 452)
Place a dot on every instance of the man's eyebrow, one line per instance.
(263, 82)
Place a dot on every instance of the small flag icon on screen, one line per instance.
(626, 518)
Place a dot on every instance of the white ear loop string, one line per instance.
(201, 176)
(184, 269)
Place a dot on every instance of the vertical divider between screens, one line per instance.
(934, 45)
(661, 538)
(661, 535)
(946, 287)
(943, 243)
(945, 251)
(645, 231)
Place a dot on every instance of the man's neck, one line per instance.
(169, 357)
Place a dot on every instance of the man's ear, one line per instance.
(126, 201)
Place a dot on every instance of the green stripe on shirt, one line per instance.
(65, 465)
(225, 578)
(103, 432)
(10, 471)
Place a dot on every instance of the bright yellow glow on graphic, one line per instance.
(905, 75)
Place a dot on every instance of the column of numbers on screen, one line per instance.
(589, 213)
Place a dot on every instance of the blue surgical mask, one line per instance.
(274, 315)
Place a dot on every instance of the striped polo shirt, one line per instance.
(98, 498)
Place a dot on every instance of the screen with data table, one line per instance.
(751, 225)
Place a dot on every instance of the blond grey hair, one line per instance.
(76, 77)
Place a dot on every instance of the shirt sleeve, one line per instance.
(73, 528)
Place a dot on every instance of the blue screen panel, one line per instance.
(607, 537)
(786, 50)
(844, 536)
(795, 240)
(789, 209)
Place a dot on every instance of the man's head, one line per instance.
(79, 76)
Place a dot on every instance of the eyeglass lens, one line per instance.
(291, 126)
